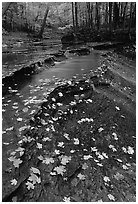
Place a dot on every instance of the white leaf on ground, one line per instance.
(60, 144)
(9, 129)
(81, 176)
(113, 148)
(19, 119)
(25, 110)
(53, 173)
(106, 178)
(40, 157)
(57, 151)
(130, 150)
(29, 185)
(119, 160)
(115, 136)
(111, 197)
(60, 94)
(46, 139)
(34, 178)
(39, 145)
(14, 182)
(86, 157)
(76, 141)
(84, 166)
(14, 199)
(48, 160)
(89, 100)
(100, 129)
(118, 176)
(35, 170)
(60, 170)
(66, 136)
(15, 161)
(105, 155)
(117, 108)
(65, 159)
(66, 199)
(72, 151)
(124, 149)
(124, 167)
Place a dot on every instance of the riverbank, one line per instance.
(80, 146)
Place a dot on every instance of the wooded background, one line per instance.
(33, 17)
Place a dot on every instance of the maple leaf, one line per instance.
(39, 145)
(14, 182)
(57, 151)
(48, 160)
(66, 199)
(106, 178)
(60, 144)
(60, 170)
(81, 176)
(65, 159)
(118, 176)
(34, 178)
(84, 166)
(30, 185)
(15, 161)
(130, 150)
(35, 170)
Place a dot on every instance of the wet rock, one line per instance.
(68, 39)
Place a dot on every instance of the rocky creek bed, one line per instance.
(81, 144)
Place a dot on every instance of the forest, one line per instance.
(68, 101)
(32, 17)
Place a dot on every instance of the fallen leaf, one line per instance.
(35, 170)
(81, 176)
(66, 199)
(14, 182)
(130, 150)
(60, 170)
(39, 145)
(111, 197)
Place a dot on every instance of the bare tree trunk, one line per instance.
(130, 19)
(73, 16)
(110, 17)
(106, 15)
(44, 23)
(124, 14)
(76, 15)
(5, 7)
(89, 14)
(115, 15)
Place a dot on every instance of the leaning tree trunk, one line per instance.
(40, 35)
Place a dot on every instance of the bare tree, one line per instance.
(40, 35)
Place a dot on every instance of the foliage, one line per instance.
(28, 16)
